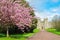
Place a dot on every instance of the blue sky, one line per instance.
(45, 8)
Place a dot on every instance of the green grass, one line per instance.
(36, 30)
(53, 31)
(18, 36)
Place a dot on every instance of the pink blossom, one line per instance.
(16, 13)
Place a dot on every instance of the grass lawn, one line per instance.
(53, 31)
(18, 36)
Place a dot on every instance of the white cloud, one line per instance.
(57, 9)
(54, 10)
(42, 15)
(47, 14)
(55, 1)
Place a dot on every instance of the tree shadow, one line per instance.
(15, 36)
(2, 35)
(18, 36)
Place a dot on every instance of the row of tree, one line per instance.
(56, 22)
(16, 15)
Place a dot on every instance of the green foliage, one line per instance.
(36, 30)
(26, 4)
(53, 31)
(32, 13)
(56, 22)
(34, 24)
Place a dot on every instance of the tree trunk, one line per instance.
(7, 32)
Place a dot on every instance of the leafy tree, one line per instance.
(56, 22)
(34, 24)
(13, 13)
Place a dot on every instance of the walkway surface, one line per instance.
(43, 35)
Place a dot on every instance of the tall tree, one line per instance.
(56, 22)
(11, 12)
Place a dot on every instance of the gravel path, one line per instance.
(43, 35)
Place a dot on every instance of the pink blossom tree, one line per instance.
(11, 12)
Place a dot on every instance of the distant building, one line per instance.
(43, 23)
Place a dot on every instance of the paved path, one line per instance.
(43, 35)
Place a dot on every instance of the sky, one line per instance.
(45, 8)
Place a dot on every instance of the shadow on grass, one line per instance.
(15, 36)
(18, 36)
(2, 35)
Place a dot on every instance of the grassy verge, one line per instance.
(53, 31)
(18, 36)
